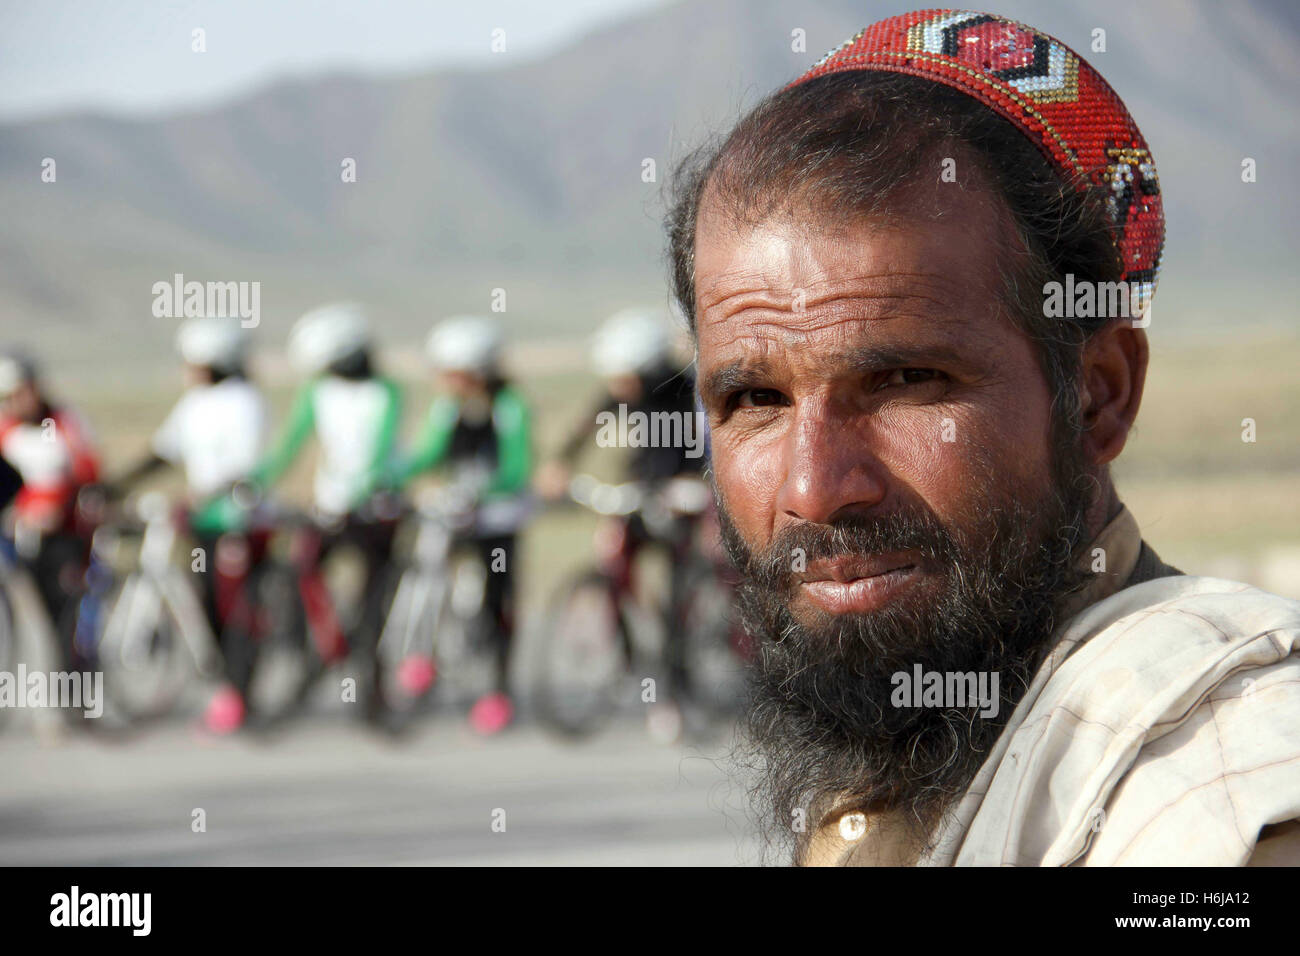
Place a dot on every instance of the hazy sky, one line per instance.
(135, 56)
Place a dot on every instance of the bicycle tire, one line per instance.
(713, 648)
(605, 640)
(464, 644)
(397, 705)
(285, 664)
(140, 651)
(8, 639)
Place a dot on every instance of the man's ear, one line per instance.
(1114, 371)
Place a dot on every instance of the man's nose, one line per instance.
(831, 471)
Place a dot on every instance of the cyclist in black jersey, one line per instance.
(478, 431)
(633, 353)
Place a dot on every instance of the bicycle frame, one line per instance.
(616, 556)
(158, 587)
(323, 624)
(426, 591)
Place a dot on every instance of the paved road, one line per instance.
(328, 792)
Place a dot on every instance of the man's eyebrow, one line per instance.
(873, 358)
(743, 373)
(732, 377)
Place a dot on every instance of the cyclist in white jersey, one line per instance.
(216, 434)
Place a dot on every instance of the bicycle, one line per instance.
(154, 638)
(716, 647)
(325, 610)
(599, 633)
(9, 636)
(437, 629)
(30, 631)
(265, 615)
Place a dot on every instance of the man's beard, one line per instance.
(820, 729)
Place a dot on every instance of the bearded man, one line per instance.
(968, 653)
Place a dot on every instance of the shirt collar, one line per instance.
(1110, 558)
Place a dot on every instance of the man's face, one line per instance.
(865, 372)
(890, 485)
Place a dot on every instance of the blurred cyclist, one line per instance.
(354, 413)
(215, 433)
(51, 448)
(11, 482)
(633, 353)
(479, 431)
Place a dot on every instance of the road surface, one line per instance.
(326, 791)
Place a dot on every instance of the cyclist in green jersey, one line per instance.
(479, 431)
(354, 413)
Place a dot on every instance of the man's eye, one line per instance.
(911, 376)
(758, 398)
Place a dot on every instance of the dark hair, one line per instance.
(356, 366)
(219, 373)
(850, 146)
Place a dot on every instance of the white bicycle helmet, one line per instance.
(630, 342)
(466, 343)
(213, 342)
(15, 371)
(326, 334)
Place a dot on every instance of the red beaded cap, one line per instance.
(1047, 90)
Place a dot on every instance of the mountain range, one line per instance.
(528, 176)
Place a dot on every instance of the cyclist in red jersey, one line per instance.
(52, 449)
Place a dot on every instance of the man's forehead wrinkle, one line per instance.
(763, 354)
(888, 287)
(765, 338)
(785, 254)
(768, 328)
(732, 293)
(767, 255)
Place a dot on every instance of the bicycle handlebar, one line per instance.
(620, 500)
(683, 496)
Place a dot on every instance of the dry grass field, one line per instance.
(1208, 501)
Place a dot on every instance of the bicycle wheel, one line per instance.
(585, 657)
(405, 656)
(463, 641)
(140, 651)
(284, 660)
(8, 639)
(715, 646)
